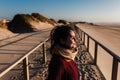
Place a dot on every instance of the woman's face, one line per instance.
(70, 43)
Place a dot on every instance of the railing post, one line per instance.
(26, 68)
(81, 35)
(83, 38)
(95, 53)
(44, 52)
(114, 69)
(87, 43)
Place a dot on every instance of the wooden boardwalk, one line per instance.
(16, 47)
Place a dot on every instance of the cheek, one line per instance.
(72, 44)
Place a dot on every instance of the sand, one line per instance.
(41, 25)
(4, 33)
(110, 37)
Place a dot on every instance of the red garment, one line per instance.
(59, 69)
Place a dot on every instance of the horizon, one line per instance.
(83, 10)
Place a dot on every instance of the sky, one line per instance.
(71, 10)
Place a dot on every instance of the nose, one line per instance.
(75, 40)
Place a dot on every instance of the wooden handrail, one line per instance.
(116, 58)
(105, 48)
(25, 61)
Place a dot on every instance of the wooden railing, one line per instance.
(25, 60)
(116, 59)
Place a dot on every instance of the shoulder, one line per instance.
(57, 61)
(57, 58)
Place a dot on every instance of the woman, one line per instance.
(63, 50)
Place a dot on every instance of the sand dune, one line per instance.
(4, 33)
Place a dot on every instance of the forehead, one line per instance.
(72, 33)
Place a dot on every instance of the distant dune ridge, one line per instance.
(24, 23)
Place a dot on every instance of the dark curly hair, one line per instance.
(59, 32)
